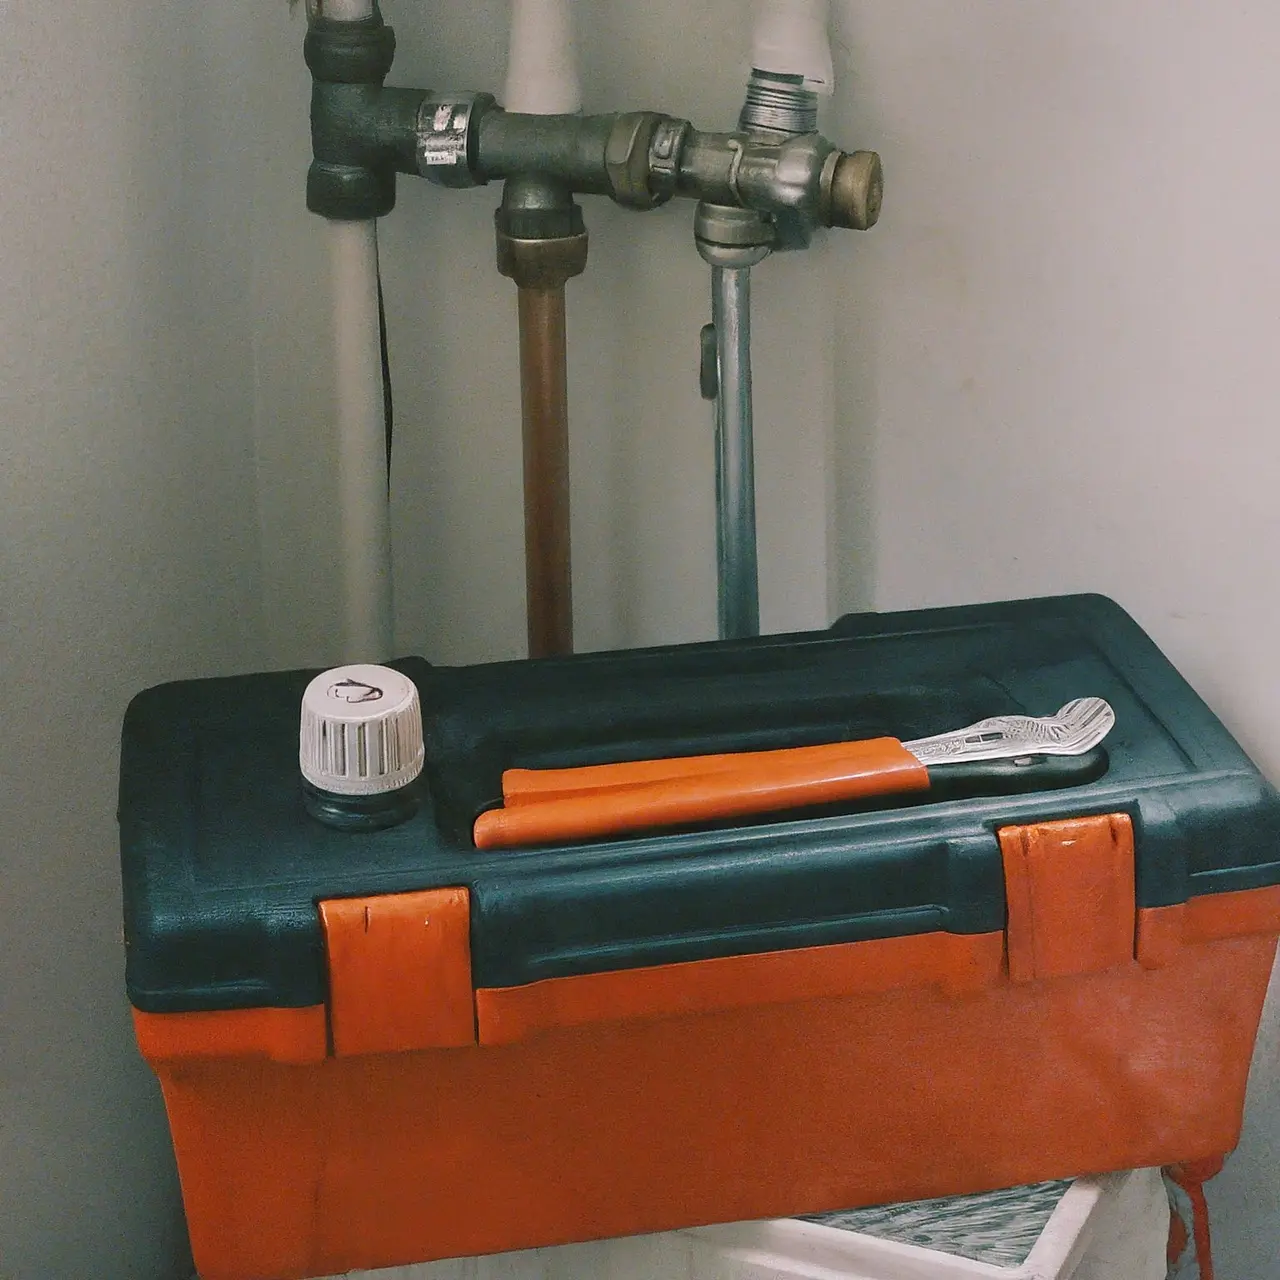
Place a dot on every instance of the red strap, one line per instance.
(1191, 1177)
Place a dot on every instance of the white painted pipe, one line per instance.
(542, 59)
(342, 10)
(364, 518)
(790, 38)
(363, 500)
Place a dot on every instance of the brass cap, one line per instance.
(853, 191)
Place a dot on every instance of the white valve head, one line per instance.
(361, 731)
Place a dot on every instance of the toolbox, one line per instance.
(386, 1047)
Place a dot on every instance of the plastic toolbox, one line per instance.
(384, 1048)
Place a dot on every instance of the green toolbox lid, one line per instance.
(223, 865)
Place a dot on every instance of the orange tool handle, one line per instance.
(764, 784)
(523, 786)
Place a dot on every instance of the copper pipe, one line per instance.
(544, 409)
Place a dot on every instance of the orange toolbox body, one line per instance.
(383, 1048)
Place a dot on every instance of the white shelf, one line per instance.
(1107, 1228)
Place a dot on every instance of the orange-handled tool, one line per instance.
(527, 786)
(756, 782)
(545, 805)
(1074, 729)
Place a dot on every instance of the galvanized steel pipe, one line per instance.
(738, 593)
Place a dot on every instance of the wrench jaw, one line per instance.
(1075, 729)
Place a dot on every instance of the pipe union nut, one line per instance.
(626, 159)
(727, 236)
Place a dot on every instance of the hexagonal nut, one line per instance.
(728, 236)
(626, 159)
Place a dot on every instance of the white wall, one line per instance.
(167, 449)
(1050, 368)
(1064, 359)
(128, 555)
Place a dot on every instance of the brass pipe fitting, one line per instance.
(542, 264)
(541, 239)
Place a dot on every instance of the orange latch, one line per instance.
(1071, 896)
(399, 971)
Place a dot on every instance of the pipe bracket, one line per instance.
(447, 138)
